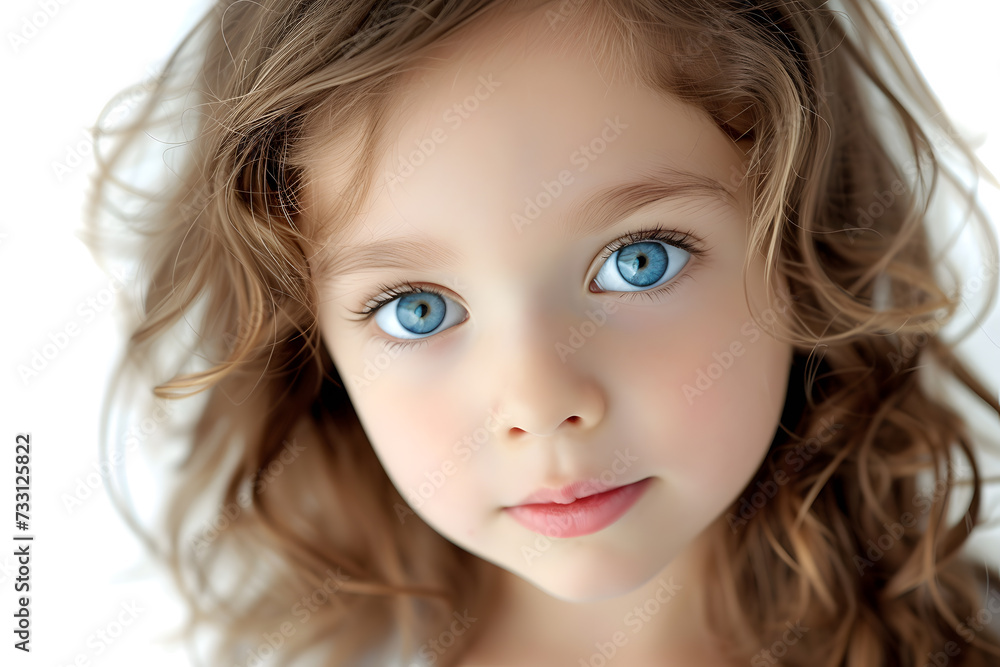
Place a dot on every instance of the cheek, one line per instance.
(425, 443)
(736, 416)
(410, 433)
(409, 416)
(709, 386)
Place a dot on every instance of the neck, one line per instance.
(661, 622)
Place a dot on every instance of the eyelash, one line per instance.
(683, 241)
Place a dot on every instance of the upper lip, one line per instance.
(569, 493)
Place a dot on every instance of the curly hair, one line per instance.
(281, 521)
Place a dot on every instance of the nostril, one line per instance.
(517, 431)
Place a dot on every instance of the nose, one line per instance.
(541, 392)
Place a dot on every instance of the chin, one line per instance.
(581, 575)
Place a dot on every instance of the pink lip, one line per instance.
(576, 516)
(567, 494)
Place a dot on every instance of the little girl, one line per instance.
(560, 333)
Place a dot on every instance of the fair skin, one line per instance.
(503, 373)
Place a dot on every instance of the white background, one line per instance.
(86, 564)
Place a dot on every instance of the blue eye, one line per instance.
(417, 313)
(641, 265)
(638, 262)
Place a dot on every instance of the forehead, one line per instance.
(481, 124)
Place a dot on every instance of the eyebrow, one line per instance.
(601, 210)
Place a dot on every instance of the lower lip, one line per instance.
(580, 517)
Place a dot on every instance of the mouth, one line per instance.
(560, 514)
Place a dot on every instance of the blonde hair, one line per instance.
(278, 82)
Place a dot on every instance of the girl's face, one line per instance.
(540, 345)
